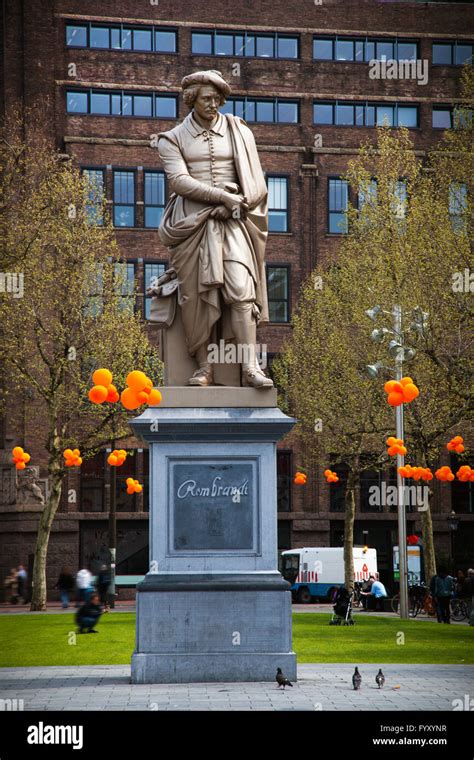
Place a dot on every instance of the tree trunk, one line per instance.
(429, 557)
(349, 532)
(38, 597)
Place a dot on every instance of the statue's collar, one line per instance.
(195, 129)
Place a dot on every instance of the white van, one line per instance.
(318, 572)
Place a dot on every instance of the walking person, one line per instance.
(442, 589)
(65, 584)
(468, 594)
(103, 583)
(84, 585)
(88, 615)
(22, 578)
(11, 586)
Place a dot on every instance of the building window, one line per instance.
(338, 195)
(449, 117)
(119, 103)
(76, 35)
(94, 291)
(278, 293)
(95, 196)
(458, 206)
(120, 37)
(154, 197)
(152, 272)
(268, 110)
(125, 285)
(367, 195)
(337, 491)
(447, 53)
(462, 494)
(215, 42)
(277, 204)
(370, 490)
(399, 204)
(363, 49)
(92, 483)
(364, 114)
(125, 502)
(284, 480)
(124, 199)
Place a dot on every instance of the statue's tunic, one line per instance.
(212, 257)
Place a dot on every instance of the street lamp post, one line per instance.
(453, 526)
(399, 352)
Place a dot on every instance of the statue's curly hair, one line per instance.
(190, 94)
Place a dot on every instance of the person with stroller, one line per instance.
(88, 615)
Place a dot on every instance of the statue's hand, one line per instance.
(221, 212)
(236, 201)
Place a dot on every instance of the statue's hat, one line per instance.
(207, 77)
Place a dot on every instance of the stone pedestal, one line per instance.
(213, 606)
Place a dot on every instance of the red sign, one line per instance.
(365, 569)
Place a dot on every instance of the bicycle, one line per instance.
(419, 600)
(459, 610)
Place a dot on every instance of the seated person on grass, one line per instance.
(88, 615)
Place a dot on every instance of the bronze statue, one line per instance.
(215, 227)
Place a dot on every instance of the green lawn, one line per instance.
(44, 640)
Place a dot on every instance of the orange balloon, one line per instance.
(138, 488)
(154, 397)
(67, 453)
(20, 465)
(149, 383)
(102, 377)
(388, 387)
(17, 451)
(391, 441)
(112, 394)
(98, 394)
(459, 448)
(410, 392)
(129, 399)
(142, 397)
(112, 459)
(137, 380)
(394, 398)
(406, 380)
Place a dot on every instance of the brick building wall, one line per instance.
(38, 68)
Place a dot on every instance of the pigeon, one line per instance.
(380, 678)
(282, 680)
(356, 679)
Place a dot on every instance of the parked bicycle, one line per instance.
(419, 601)
(459, 609)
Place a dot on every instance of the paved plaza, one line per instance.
(320, 687)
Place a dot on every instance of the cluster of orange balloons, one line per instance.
(103, 390)
(465, 474)
(331, 476)
(20, 458)
(456, 444)
(417, 473)
(133, 486)
(395, 446)
(139, 391)
(401, 392)
(72, 457)
(117, 457)
(444, 473)
(300, 479)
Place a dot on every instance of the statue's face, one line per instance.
(207, 102)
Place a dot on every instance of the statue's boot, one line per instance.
(244, 328)
(204, 375)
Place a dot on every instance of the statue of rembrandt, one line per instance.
(215, 226)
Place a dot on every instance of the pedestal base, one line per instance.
(213, 636)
